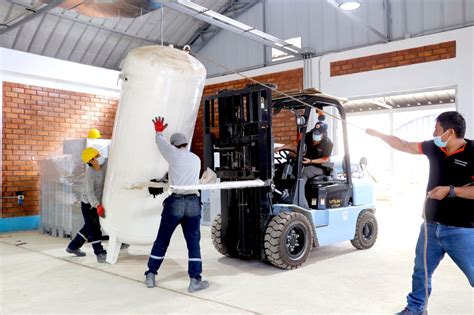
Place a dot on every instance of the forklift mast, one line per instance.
(238, 145)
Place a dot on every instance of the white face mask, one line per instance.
(101, 160)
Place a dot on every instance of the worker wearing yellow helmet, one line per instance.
(93, 134)
(91, 206)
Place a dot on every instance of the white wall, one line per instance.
(457, 72)
(256, 72)
(26, 68)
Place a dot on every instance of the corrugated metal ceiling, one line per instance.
(99, 41)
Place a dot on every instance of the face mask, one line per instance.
(101, 160)
(317, 137)
(440, 143)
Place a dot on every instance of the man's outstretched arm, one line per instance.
(395, 142)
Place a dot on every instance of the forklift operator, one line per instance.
(318, 150)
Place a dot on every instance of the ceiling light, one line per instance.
(349, 5)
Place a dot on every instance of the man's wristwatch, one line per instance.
(452, 193)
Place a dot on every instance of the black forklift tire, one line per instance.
(216, 236)
(366, 231)
(288, 240)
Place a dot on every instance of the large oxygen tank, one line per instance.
(156, 81)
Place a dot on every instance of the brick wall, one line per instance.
(36, 120)
(445, 50)
(284, 129)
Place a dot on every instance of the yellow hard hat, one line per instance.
(88, 154)
(93, 134)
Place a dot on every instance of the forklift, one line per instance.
(283, 220)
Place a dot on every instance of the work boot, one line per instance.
(101, 257)
(408, 311)
(77, 252)
(150, 280)
(197, 285)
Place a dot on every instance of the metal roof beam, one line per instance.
(33, 15)
(208, 31)
(214, 18)
(104, 28)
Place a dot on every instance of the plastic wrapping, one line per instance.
(156, 81)
(61, 179)
(56, 195)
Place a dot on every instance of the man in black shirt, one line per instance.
(318, 150)
(449, 206)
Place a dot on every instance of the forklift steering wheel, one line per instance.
(285, 155)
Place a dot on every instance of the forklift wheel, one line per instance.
(288, 240)
(366, 231)
(217, 236)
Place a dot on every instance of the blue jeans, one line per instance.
(457, 242)
(184, 210)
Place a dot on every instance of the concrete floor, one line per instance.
(38, 276)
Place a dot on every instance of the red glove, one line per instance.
(159, 123)
(101, 211)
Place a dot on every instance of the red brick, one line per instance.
(440, 51)
(18, 90)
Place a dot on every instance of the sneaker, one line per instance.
(101, 257)
(407, 311)
(150, 280)
(124, 246)
(197, 285)
(77, 252)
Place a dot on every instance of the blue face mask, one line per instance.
(440, 143)
(317, 137)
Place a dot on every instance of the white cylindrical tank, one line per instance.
(156, 81)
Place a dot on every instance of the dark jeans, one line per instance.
(90, 232)
(184, 210)
(457, 242)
